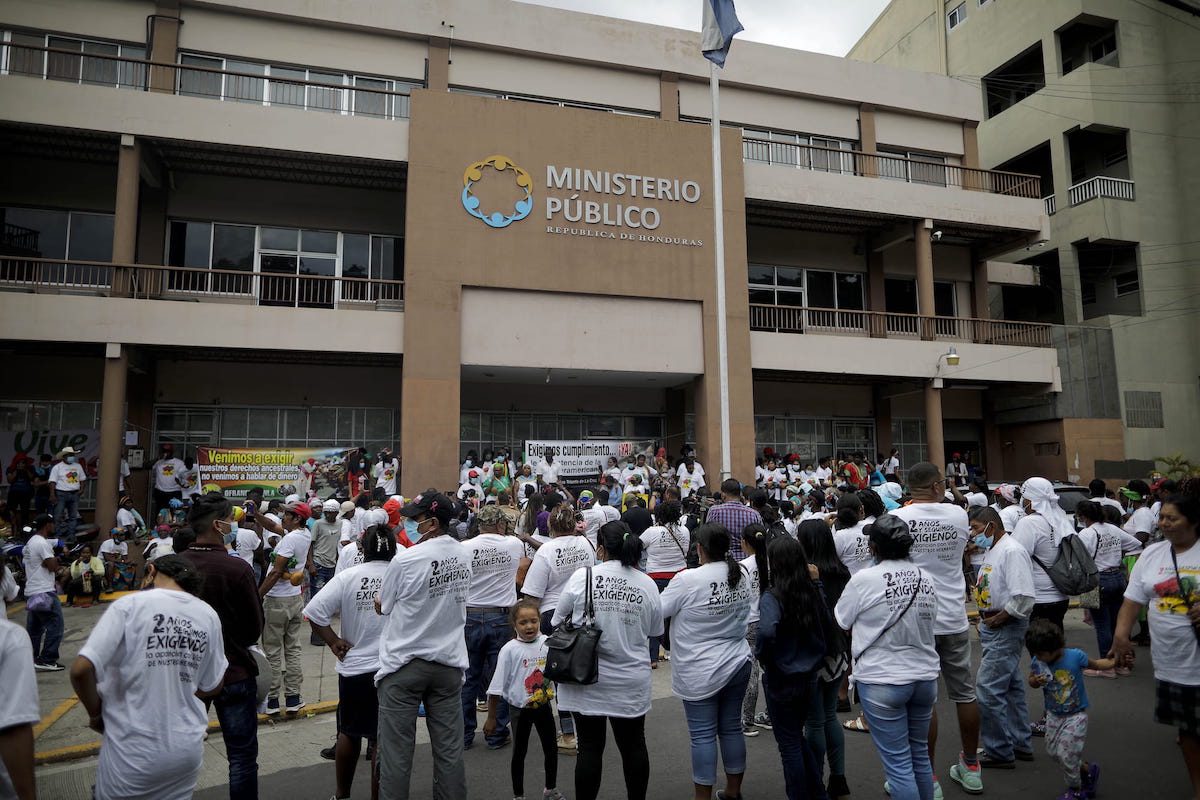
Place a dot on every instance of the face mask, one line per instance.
(231, 537)
(500, 459)
(70, 459)
(984, 541)
(469, 463)
(410, 529)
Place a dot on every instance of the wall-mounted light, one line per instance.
(952, 358)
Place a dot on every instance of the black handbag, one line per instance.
(572, 652)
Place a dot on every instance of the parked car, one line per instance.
(1070, 495)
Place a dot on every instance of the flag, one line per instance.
(717, 30)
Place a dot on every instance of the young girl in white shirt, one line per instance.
(519, 681)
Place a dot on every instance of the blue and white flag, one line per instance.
(718, 29)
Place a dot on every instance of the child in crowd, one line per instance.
(518, 680)
(1058, 671)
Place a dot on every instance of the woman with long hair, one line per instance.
(627, 612)
(666, 546)
(756, 537)
(711, 606)
(143, 676)
(793, 629)
(822, 729)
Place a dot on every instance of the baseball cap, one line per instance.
(301, 510)
(490, 515)
(330, 505)
(434, 503)
(347, 506)
(585, 498)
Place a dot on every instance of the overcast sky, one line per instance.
(822, 26)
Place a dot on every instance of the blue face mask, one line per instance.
(70, 459)
(231, 537)
(410, 530)
(984, 541)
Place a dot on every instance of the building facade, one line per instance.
(1097, 98)
(273, 223)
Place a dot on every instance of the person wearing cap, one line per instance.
(166, 473)
(423, 650)
(66, 481)
(893, 608)
(45, 625)
(940, 532)
(469, 491)
(283, 605)
(128, 518)
(494, 561)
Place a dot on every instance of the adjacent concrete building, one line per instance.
(1098, 98)
(284, 223)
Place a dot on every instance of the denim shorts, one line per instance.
(954, 651)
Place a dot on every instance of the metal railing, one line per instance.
(151, 281)
(219, 84)
(890, 325)
(1101, 186)
(1051, 205)
(883, 165)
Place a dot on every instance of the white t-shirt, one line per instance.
(593, 518)
(689, 481)
(1140, 521)
(246, 543)
(294, 545)
(19, 700)
(190, 480)
(494, 562)
(851, 546)
(68, 477)
(518, 677)
(424, 597)
(1109, 543)
(611, 513)
(351, 594)
(823, 474)
(9, 590)
(125, 518)
(385, 475)
(1173, 643)
(940, 535)
(113, 547)
(349, 556)
(627, 477)
(167, 471)
(874, 599)
(522, 482)
(1009, 516)
(1036, 535)
(552, 565)
(893, 465)
(1108, 501)
(708, 629)
(666, 547)
(1007, 571)
(628, 612)
(157, 548)
(547, 471)
(750, 564)
(38, 579)
(152, 651)
(775, 482)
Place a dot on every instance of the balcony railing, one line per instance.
(355, 99)
(885, 324)
(1101, 186)
(150, 281)
(1051, 205)
(882, 165)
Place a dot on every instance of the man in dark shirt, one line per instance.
(229, 587)
(637, 517)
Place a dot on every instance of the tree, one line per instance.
(1177, 467)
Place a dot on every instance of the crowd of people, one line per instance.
(817, 589)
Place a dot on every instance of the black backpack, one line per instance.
(1074, 569)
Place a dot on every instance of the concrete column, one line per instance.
(876, 298)
(980, 307)
(164, 45)
(935, 441)
(437, 67)
(970, 144)
(867, 141)
(668, 101)
(125, 214)
(112, 434)
(924, 254)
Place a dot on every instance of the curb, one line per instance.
(77, 751)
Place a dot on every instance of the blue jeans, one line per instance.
(324, 575)
(713, 717)
(1104, 618)
(823, 730)
(1000, 689)
(45, 630)
(486, 633)
(66, 515)
(788, 700)
(899, 719)
(237, 711)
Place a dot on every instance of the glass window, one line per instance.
(200, 84)
(233, 247)
(63, 66)
(322, 99)
(789, 276)
(387, 258)
(36, 232)
(762, 275)
(345, 424)
(27, 62)
(371, 103)
(647, 427)
(850, 291)
(322, 423)
(821, 290)
(132, 75)
(287, 94)
(900, 295)
(762, 297)
(263, 423)
(790, 299)
(295, 426)
(242, 88)
(356, 255)
(91, 237)
(318, 242)
(233, 423)
(189, 244)
(100, 71)
(279, 239)
(943, 299)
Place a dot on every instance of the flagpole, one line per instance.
(719, 244)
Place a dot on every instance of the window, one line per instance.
(957, 16)
(40, 415)
(820, 153)
(189, 428)
(97, 63)
(1104, 51)
(1143, 410)
(813, 439)
(1047, 448)
(1087, 292)
(1126, 284)
(908, 436)
(550, 101)
(337, 92)
(56, 234)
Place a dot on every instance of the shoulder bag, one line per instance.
(572, 651)
(892, 624)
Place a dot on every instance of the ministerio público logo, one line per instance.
(503, 165)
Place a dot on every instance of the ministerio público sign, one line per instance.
(584, 202)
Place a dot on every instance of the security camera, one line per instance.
(936, 236)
